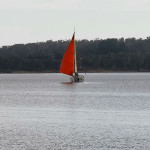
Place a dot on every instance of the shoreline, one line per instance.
(88, 71)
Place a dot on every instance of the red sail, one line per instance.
(67, 61)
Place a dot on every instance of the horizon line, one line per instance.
(97, 38)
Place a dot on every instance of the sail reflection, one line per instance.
(67, 83)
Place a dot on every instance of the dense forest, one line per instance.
(96, 55)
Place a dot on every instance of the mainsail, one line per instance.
(68, 59)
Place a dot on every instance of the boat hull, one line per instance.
(79, 78)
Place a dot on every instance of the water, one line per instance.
(109, 111)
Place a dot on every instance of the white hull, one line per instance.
(79, 78)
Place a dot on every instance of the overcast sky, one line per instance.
(24, 21)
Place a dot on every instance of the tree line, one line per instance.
(113, 54)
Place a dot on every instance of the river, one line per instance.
(109, 111)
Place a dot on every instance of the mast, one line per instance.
(75, 56)
(75, 59)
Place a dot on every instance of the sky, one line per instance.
(26, 21)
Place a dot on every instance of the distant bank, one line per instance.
(87, 71)
(109, 55)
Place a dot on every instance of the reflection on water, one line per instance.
(44, 111)
(67, 83)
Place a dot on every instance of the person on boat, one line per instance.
(76, 77)
(76, 74)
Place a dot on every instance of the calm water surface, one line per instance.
(109, 111)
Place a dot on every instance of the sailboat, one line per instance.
(69, 62)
